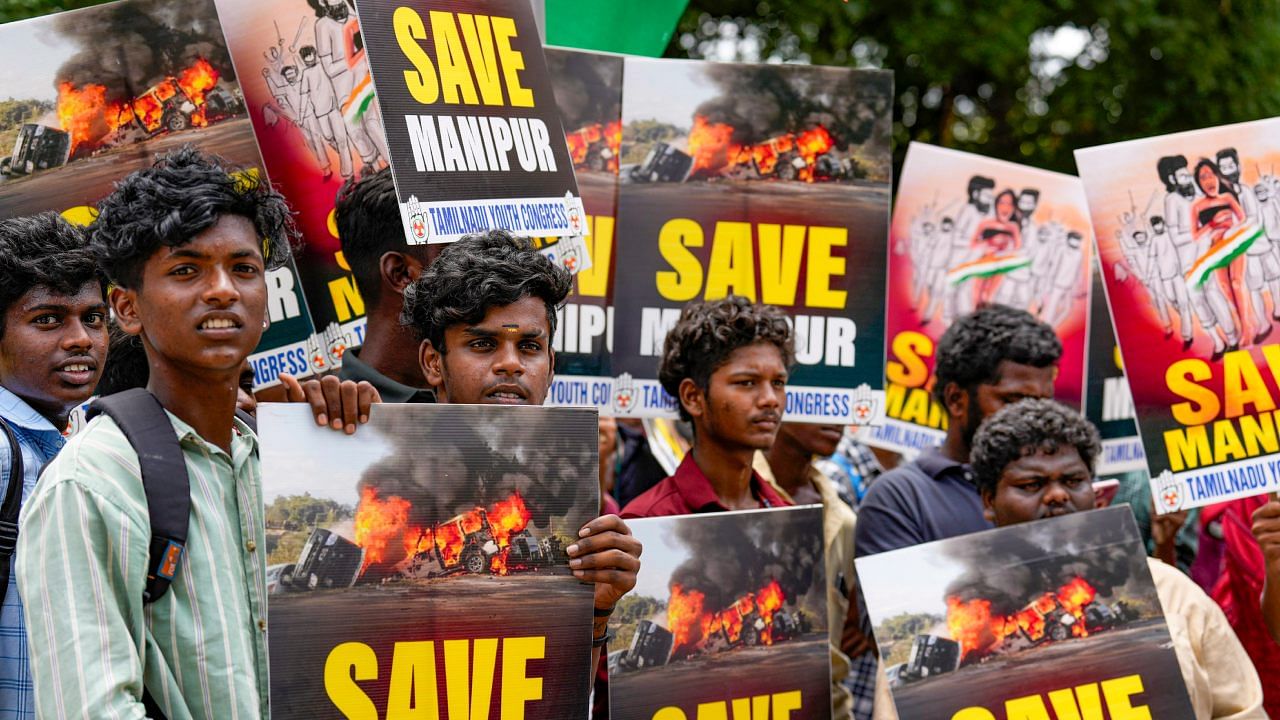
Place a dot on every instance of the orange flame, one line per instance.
(711, 145)
(692, 626)
(972, 624)
(613, 137)
(810, 144)
(378, 523)
(685, 619)
(86, 114)
(197, 80)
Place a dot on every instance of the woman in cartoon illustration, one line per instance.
(1213, 217)
(995, 238)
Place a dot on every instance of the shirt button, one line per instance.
(262, 624)
(251, 546)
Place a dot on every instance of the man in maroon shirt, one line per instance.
(726, 362)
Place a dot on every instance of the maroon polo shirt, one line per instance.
(689, 492)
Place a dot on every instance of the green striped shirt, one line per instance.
(201, 649)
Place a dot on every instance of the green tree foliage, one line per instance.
(895, 634)
(300, 512)
(11, 10)
(1024, 80)
(631, 609)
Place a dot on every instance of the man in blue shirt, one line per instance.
(989, 358)
(53, 341)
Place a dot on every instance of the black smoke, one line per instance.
(588, 87)
(1011, 571)
(761, 102)
(130, 46)
(736, 554)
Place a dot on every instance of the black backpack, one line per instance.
(10, 509)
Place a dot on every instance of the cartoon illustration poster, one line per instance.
(969, 230)
(765, 181)
(727, 619)
(1107, 401)
(588, 90)
(97, 93)
(475, 135)
(306, 87)
(1059, 613)
(1188, 230)
(419, 566)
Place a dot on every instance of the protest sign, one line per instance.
(588, 90)
(1107, 401)
(1059, 613)
(104, 92)
(422, 565)
(728, 615)
(969, 230)
(765, 181)
(304, 77)
(471, 118)
(1187, 227)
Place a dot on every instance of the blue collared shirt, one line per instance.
(39, 441)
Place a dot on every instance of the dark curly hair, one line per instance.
(1023, 428)
(970, 351)
(480, 272)
(707, 333)
(181, 195)
(43, 250)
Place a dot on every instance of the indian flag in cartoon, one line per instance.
(987, 266)
(359, 100)
(1221, 253)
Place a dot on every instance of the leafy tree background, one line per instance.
(1023, 80)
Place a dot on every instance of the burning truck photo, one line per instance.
(106, 90)
(1020, 610)
(434, 522)
(718, 596)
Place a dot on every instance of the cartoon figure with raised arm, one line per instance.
(1221, 235)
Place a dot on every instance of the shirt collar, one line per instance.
(761, 465)
(698, 496)
(243, 439)
(391, 391)
(936, 465)
(17, 412)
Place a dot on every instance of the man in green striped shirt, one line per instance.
(186, 245)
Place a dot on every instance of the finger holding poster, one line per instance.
(1060, 613)
(969, 230)
(765, 181)
(1189, 241)
(423, 566)
(476, 141)
(728, 618)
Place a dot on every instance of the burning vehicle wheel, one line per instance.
(6, 166)
(474, 562)
(176, 122)
(750, 637)
(1058, 633)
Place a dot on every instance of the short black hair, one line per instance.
(1167, 166)
(126, 366)
(367, 213)
(480, 272)
(971, 350)
(706, 335)
(183, 194)
(980, 182)
(43, 250)
(1024, 428)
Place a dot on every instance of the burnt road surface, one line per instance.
(85, 181)
(305, 626)
(861, 204)
(802, 664)
(1066, 664)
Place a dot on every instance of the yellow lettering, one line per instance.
(670, 713)
(504, 29)
(910, 348)
(1064, 705)
(784, 704)
(1090, 702)
(1027, 708)
(917, 407)
(82, 215)
(347, 301)
(1188, 448)
(1119, 692)
(713, 711)
(1259, 434)
(1271, 354)
(331, 223)
(823, 266)
(1242, 385)
(594, 281)
(894, 395)
(732, 269)
(781, 250)
(751, 708)
(422, 83)
(412, 694)
(974, 713)
(517, 687)
(455, 76)
(674, 240)
(1203, 405)
(340, 684)
(479, 40)
(469, 688)
(1226, 442)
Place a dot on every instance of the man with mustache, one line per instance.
(53, 342)
(1034, 459)
(485, 313)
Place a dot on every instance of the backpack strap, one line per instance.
(9, 510)
(248, 419)
(164, 479)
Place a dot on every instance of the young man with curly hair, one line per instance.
(485, 313)
(185, 244)
(1034, 459)
(53, 343)
(991, 357)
